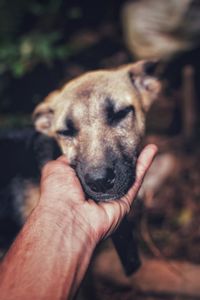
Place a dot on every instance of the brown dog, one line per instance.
(98, 120)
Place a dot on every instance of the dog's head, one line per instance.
(98, 120)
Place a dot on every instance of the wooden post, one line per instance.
(189, 112)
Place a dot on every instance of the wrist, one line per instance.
(66, 218)
(76, 244)
(53, 246)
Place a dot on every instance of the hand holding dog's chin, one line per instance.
(62, 195)
(59, 237)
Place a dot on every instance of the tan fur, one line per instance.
(87, 92)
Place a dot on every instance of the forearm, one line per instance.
(48, 259)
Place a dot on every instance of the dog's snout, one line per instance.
(100, 180)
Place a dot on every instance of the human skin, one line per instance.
(50, 256)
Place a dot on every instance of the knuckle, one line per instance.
(126, 206)
(47, 167)
(52, 167)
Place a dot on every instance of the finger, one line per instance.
(57, 167)
(145, 159)
(65, 163)
(63, 159)
(59, 170)
(143, 163)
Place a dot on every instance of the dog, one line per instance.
(97, 120)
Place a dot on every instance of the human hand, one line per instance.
(61, 192)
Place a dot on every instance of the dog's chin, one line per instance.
(97, 197)
(113, 194)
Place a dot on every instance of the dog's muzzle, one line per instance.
(105, 183)
(101, 180)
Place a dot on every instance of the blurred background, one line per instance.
(45, 43)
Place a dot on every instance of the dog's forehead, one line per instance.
(98, 86)
(88, 96)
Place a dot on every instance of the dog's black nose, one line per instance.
(100, 180)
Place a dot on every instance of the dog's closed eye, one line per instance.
(69, 131)
(115, 117)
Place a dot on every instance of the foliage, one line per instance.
(31, 32)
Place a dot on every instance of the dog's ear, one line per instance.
(43, 114)
(144, 77)
(42, 118)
